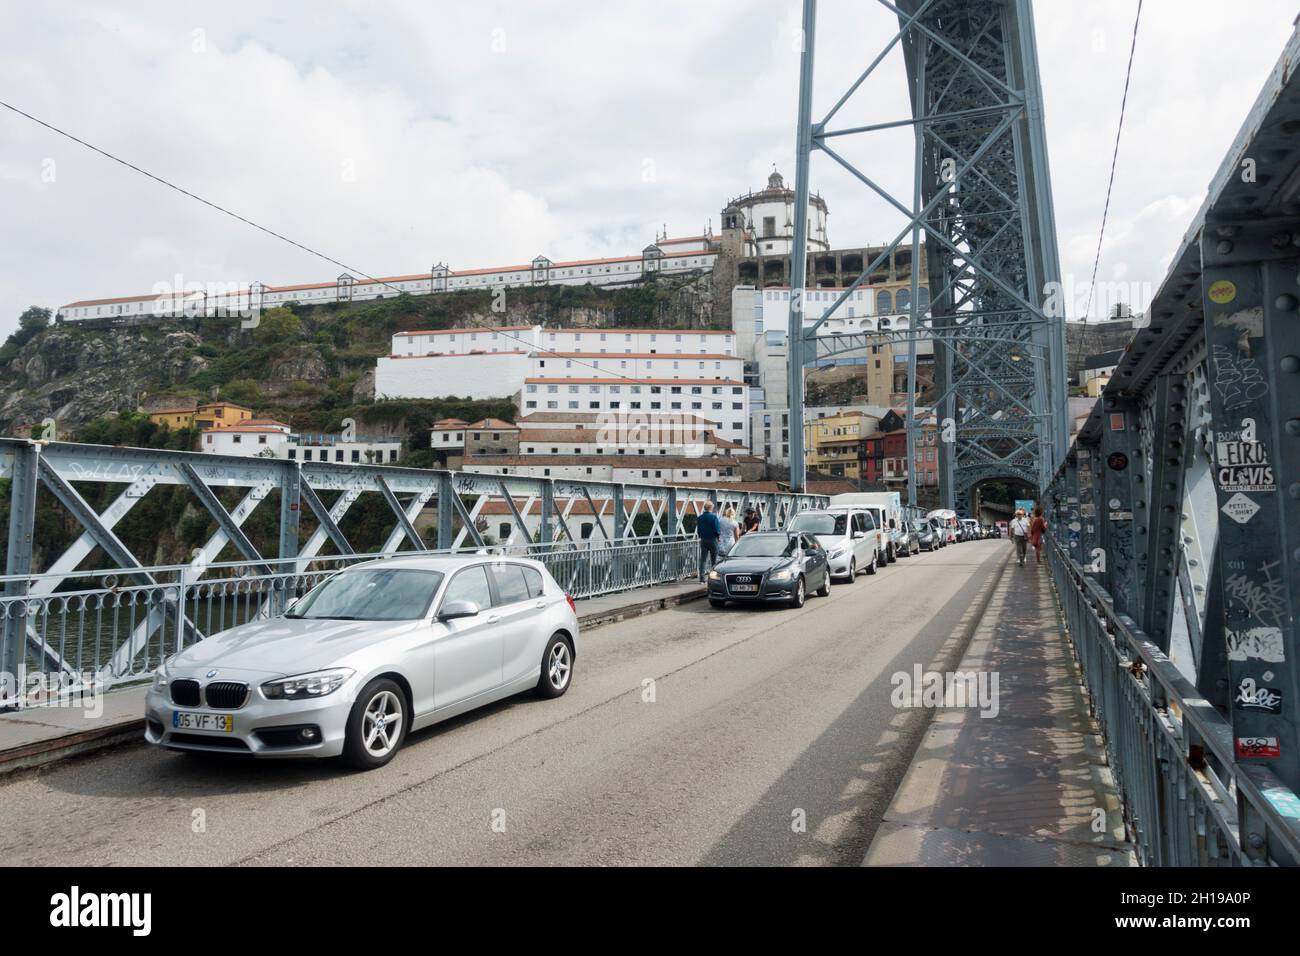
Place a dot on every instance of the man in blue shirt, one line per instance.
(707, 527)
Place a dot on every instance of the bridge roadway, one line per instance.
(757, 715)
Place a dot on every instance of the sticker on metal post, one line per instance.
(1254, 696)
(1222, 292)
(1255, 644)
(1242, 461)
(1240, 508)
(1258, 747)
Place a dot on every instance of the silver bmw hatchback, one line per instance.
(370, 654)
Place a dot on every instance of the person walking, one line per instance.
(728, 531)
(707, 528)
(1037, 528)
(1019, 534)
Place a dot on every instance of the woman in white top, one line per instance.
(728, 530)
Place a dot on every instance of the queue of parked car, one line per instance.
(386, 647)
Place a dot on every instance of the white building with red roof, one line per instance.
(682, 256)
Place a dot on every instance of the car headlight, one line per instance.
(160, 676)
(714, 575)
(837, 553)
(302, 686)
(784, 574)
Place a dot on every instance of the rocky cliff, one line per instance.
(76, 373)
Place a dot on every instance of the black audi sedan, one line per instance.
(771, 567)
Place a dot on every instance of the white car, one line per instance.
(376, 651)
(850, 536)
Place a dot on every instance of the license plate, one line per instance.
(209, 723)
(745, 588)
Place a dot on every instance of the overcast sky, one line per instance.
(393, 135)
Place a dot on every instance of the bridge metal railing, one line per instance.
(60, 621)
(1175, 521)
(1188, 801)
(102, 630)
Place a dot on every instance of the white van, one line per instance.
(887, 507)
(851, 537)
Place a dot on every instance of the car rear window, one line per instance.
(510, 583)
(819, 523)
(536, 586)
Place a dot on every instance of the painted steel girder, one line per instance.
(975, 59)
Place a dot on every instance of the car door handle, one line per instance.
(540, 604)
(494, 619)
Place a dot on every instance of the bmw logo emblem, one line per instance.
(210, 674)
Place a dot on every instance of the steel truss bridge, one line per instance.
(1175, 521)
(1174, 514)
(981, 201)
(64, 624)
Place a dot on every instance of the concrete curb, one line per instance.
(614, 615)
(43, 752)
(49, 750)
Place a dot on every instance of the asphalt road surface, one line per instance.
(689, 736)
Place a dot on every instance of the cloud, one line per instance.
(393, 136)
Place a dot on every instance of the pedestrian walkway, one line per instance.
(40, 735)
(1028, 785)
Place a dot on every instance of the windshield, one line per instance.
(920, 526)
(371, 594)
(762, 546)
(820, 524)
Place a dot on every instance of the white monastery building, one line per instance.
(765, 220)
(666, 256)
(761, 221)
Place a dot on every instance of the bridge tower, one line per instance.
(981, 203)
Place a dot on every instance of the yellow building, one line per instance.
(831, 444)
(220, 415)
(207, 415)
(173, 418)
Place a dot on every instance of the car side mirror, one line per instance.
(454, 609)
(859, 534)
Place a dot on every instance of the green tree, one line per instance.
(276, 326)
(242, 391)
(33, 320)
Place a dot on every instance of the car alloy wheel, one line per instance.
(381, 724)
(800, 594)
(557, 667)
(376, 725)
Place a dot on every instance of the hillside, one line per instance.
(310, 366)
